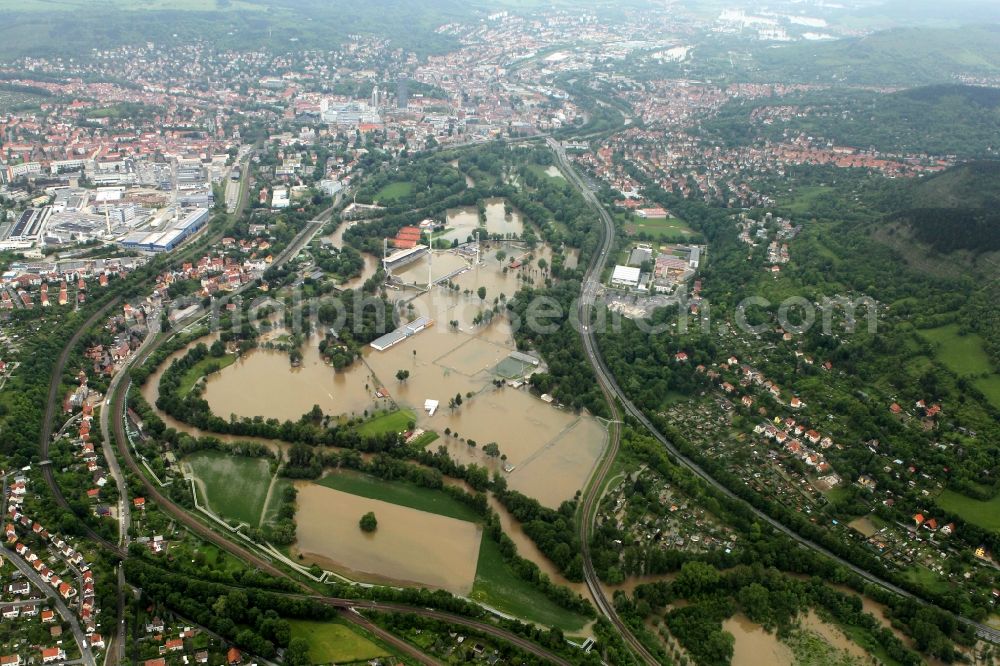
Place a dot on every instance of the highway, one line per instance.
(611, 389)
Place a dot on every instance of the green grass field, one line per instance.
(233, 486)
(271, 510)
(394, 191)
(496, 583)
(425, 439)
(984, 514)
(928, 579)
(540, 171)
(335, 643)
(403, 494)
(804, 199)
(964, 355)
(498, 586)
(658, 228)
(201, 368)
(391, 422)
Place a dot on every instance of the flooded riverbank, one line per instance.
(371, 262)
(754, 646)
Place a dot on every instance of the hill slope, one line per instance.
(939, 120)
(74, 27)
(905, 56)
(956, 211)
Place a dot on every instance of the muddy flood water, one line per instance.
(329, 535)
(754, 646)
(371, 263)
(461, 222)
(550, 452)
(264, 383)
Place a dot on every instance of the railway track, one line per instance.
(593, 491)
(610, 388)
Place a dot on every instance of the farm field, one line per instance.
(334, 643)
(404, 494)
(964, 355)
(232, 486)
(984, 514)
(495, 583)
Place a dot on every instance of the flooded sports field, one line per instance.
(550, 452)
(460, 223)
(397, 552)
(264, 383)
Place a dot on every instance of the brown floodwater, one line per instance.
(469, 182)
(754, 646)
(264, 383)
(462, 222)
(550, 452)
(832, 635)
(397, 552)
(151, 392)
(371, 262)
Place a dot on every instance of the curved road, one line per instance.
(610, 387)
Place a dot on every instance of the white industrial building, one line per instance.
(626, 277)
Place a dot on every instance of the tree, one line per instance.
(368, 522)
(501, 255)
(482, 293)
(402, 375)
(492, 449)
(297, 653)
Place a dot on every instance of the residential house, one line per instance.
(51, 655)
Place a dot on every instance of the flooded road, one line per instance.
(397, 552)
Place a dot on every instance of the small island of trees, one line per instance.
(368, 522)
